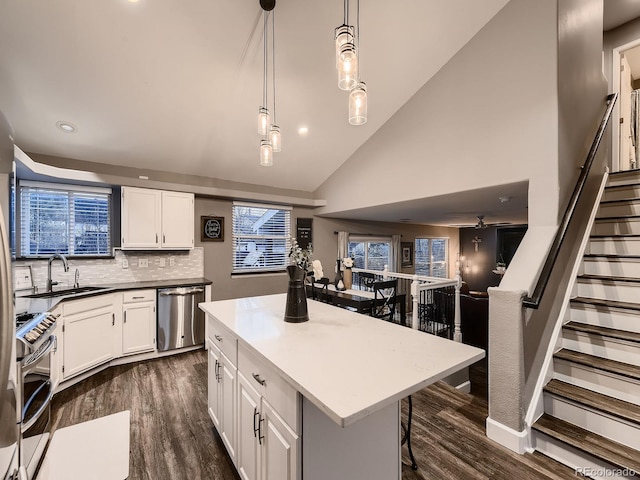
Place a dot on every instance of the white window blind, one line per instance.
(261, 237)
(67, 219)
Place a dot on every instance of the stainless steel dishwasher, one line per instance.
(180, 321)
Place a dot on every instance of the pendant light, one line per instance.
(274, 132)
(266, 153)
(358, 94)
(264, 119)
(346, 54)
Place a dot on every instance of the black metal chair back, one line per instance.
(384, 299)
(366, 280)
(320, 289)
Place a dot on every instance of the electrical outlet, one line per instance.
(143, 262)
(125, 263)
(163, 262)
(172, 262)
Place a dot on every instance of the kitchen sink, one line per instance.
(67, 292)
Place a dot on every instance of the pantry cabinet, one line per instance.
(156, 219)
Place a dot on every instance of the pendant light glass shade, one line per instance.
(275, 138)
(358, 105)
(266, 153)
(263, 121)
(344, 34)
(347, 67)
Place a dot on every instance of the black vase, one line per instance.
(339, 281)
(296, 308)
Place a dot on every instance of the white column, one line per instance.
(415, 298)
(457, 332)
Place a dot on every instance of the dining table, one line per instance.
(359, 300)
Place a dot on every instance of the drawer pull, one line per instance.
(137, 298)
(218, 337)
(257, 378)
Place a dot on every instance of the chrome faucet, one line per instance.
(65, 264)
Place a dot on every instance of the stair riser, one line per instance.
(629, 193)
(602, 382)
(612, 267)
(603, 347)
(618, 209)
(617, 430)
(628, 321)
(574, 458)
(616, 227)
(623, 179)
(614, 247)
(624, 292)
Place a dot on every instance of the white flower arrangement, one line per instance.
(299, 256)
(348, 262)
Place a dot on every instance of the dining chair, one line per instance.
(365, 281)
(384, 299)
(321, 292)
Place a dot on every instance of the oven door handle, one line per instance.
(29, 363)
(27, 425)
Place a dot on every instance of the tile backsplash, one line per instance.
(101, 271)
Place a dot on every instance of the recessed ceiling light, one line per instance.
(303, 131)
(67, 127)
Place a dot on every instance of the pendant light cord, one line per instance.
(273, 60)
(346, 12)
(264, 79)
(358, 40)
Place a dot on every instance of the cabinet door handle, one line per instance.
(156, 238)
(217, 371)
(257, 378)
(255, 416)
(218, 337)
(260, 436)
(125, 316)
(164, 238)
(113, 319)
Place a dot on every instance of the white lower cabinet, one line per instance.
(255, 411)
(138, 321)
(222, 390)
(88, 334)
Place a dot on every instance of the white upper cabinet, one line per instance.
(155, 219)
(177, 220)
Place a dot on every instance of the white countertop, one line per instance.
(347, 364)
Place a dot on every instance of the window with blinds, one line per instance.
(432, 257)
(261, 236)
(67, 219)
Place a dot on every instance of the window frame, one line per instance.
(68, 189)
(367, 240)
(430, 263)
(287, 237)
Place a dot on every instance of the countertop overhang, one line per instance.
(347, 364)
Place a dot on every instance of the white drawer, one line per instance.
(138, 296)
(223, 339)
(282, 396)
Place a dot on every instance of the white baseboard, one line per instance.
(508, 437)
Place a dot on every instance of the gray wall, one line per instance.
(218, 255)
(6, 162)
(488, 117)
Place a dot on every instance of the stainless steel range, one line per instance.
(34, 343)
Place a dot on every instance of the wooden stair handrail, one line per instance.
(533, 301)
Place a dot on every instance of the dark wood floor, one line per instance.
(172, 437)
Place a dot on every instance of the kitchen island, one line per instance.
(340, 377)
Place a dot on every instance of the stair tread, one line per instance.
(610, 278)
(617, 235)
(598, 302)
(603, 331)
(611, 256)
(624, 172)
(589, 442)
(625, 185)
(621, 200)
(600, 363)
(617, 217)
(597, 401)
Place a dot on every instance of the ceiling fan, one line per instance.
(481, 224)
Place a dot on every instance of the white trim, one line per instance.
(64, 187)
(507, 437)
(464, 387)
(262, 205)
(615, 88)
